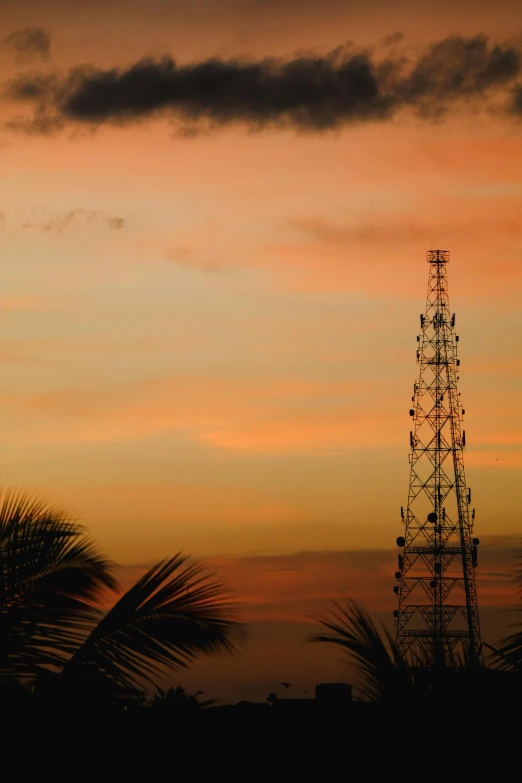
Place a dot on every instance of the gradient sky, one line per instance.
(207, 340)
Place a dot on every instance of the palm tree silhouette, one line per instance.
(50, 575)
(53, 625)
(387, 676)
(507, 653)
(382, 672)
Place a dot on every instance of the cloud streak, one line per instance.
(75, 217)
(291, 587)
(309, 93)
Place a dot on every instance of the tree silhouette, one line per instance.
(382, 672)
(507, 654)
(50, 575)
(172, 614)
(386, 676)
(53, 624)
(175, 699)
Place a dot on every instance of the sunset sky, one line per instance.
(209, 304)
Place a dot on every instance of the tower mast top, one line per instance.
(438, 256)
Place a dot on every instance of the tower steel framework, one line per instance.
(436, 566)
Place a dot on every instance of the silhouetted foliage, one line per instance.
(388, 677)
(507, 654)
(383, 672)
(50, 574)
(172, 614)
(54, 627)
(178, 700)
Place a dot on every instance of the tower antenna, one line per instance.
(436, 566)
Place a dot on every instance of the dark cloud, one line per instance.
(313, 93)
(30, 43)
(392, 39)
(307, 93)
(515, 104)
(41, 123)
(76, 216)
(42, 89)
(459, 68)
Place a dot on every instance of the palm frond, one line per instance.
(173, 613)
(50, 575)
(507, 653)
(380, 668)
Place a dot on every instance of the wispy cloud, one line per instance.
(74, 218)
(291, 587)
(236, 414)
(29, 43)
(403, 230)
(202, 262)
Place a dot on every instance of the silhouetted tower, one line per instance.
(436, 580)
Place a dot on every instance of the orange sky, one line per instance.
(207, 343)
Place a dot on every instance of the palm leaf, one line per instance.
(50, 575)
(382, 671)
(507, 653)
(173, 613)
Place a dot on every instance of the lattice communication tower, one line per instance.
(436, 566)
